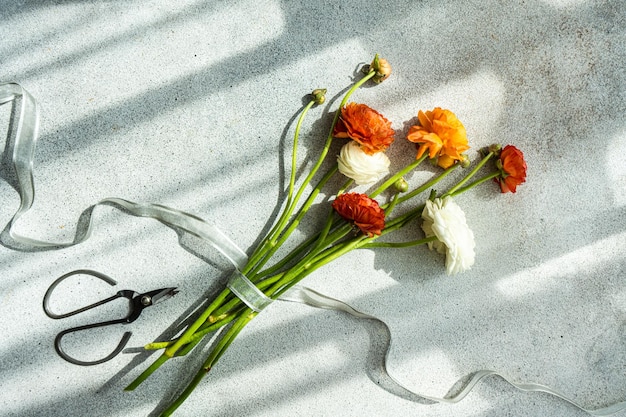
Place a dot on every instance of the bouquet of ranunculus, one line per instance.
(355, 220)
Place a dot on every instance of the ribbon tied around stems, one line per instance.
(17, 169)
(247, 292)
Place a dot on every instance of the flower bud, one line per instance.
(432, 195)
(495, 148)
(382, 68)
(401, 185)
(465, 162)
(319, 95)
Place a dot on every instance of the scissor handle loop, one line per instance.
(120, 346)
(57, 341)
(46, 298)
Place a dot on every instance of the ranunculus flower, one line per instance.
(513, 169)
(361, 210)
(441, 134)
(363, 168)
(365, 126)
(444, 219)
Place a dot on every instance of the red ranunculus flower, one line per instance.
(363, 211)
(365, 126)
(513, 169)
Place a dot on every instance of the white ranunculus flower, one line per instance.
(362, 168)
(444, 219)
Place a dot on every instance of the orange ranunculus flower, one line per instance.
(365, 126)
(363, 211)
(441, 134)
(513, 169)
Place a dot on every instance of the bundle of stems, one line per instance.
(336, 238)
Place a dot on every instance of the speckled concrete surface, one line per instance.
(191, 104)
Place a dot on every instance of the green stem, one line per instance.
(389, 207)
(297, 274)
(428, 185)
(338, 233)
(302, 247)
(324, 239)
(185, 394)
(284, 216)
(213, 357)
(171, 350)
(203, 330)
(292, 179)
(275, 245)
(345, 186)
(296, 136)
(268, 244)
(399, 244)
(474, 184)
(186, 336)
(470, 174)
(397, 176)
(245, 318)
(329, 139)
(400, 221)
(324, 233)
(303, 264)
(145, 374)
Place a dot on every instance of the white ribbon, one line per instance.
(19, 150)
(318, 300)
(20, 146)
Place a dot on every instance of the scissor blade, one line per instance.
(162, 294)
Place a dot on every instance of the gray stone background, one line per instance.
(191, 104)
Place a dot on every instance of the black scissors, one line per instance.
(137, 303)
